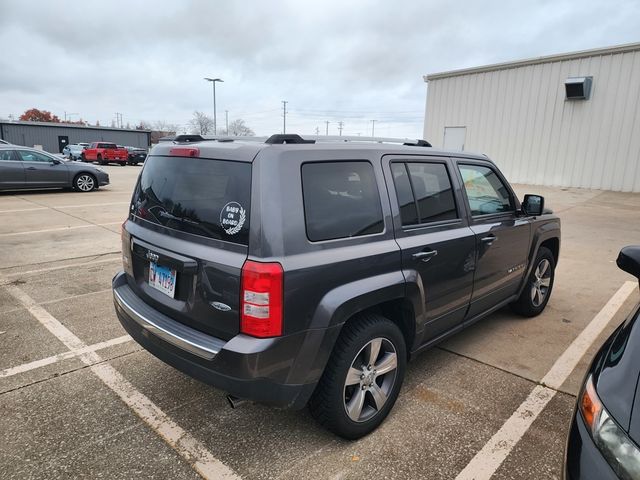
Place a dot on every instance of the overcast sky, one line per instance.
(349, 61)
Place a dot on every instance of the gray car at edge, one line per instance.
(29, 168)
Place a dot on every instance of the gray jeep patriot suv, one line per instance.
(293, 272)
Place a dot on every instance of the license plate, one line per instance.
(162, 279)
(117, 158)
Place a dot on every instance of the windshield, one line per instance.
(208, 198)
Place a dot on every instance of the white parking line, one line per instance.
(180, 440)
(26, 367)
(62, 267)
(53, 207)
(485, 463)
(59, 229)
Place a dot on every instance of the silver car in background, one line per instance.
(74, 151)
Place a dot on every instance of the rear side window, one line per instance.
(209, 198)
(341, 200)
(424, 193)
(8, 155)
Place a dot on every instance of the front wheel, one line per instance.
(85, 182)
(537, 290)
(363, 377)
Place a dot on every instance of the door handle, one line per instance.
(425, 256)
(31, 168)
(489, 239)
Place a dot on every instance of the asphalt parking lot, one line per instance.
(78, 398)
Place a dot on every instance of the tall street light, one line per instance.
(215, 120)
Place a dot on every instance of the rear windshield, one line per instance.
(209, 198)
(107, 145)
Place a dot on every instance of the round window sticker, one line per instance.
(232, 218)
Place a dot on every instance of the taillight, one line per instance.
(185, 152)
(261, 299)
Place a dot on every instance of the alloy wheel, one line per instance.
(370, 379)
(541, 282)
(85, 183)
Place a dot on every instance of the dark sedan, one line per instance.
(136, 155)
(28, 168)
(604, 440)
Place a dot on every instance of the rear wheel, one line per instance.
(85, 182)
(82, 158)
(362, 379)
(537, 291)
(100, 161)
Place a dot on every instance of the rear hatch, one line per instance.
(188, 238)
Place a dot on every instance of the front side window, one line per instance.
(29, 156)
(341, 200)
(485, 191)
(424, 193)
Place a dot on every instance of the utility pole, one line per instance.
(118, 119)
(327, 129)
(317, 131)
(226, 119)
(373, 128)
(340, 124)
(284, 116)
(215, 119)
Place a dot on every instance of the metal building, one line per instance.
(53, 137)
(562, 120)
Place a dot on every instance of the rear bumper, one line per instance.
(276, 371)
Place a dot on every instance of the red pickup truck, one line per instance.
(103, 153)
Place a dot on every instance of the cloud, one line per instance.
(332, 60)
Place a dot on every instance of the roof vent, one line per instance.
(280, 139)
(578, 88)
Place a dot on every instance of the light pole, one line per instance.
(215, 120)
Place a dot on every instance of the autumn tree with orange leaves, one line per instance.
(35, 115)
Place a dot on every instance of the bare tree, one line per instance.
(164, 126)
(238, 128)
(201, 123)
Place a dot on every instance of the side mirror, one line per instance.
(56, 162)
(533, 205)
(629, 260)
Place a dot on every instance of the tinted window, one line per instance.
(485, 191)
(406, 202)
(6, 155)
(29, 156)
(341, 200)
(429, 184)
(107, 145)
(210, 198)
(432, 189)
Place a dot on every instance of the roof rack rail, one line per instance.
(418, 143)
(350, 138)
(282, 138)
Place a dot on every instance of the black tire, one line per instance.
(100, 162)
(123, 164)
(328, 404)
(529, 304)
(82, 158)
(85, 182)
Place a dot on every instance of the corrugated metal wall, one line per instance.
(47, 136)
(520, 118)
